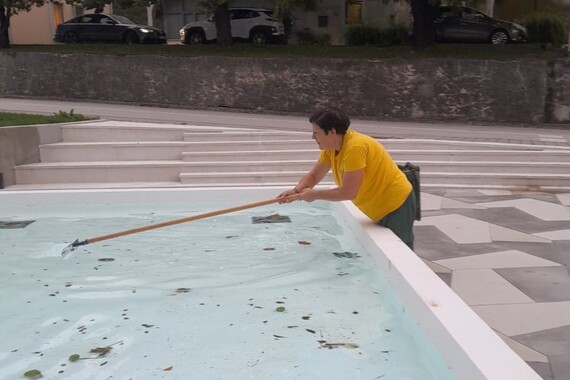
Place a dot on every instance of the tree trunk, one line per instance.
(423, 14)
(223, 26)
(4, 26)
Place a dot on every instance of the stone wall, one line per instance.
(430, 89)
(20, 146)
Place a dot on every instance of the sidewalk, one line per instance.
(505, 253)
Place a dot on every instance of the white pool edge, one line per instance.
(468, 345)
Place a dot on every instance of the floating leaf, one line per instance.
(303, 242)
(33, 374)
(74, 357)
(168, 368)
(280, 309)
(101, 351)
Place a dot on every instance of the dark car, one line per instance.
(464, 24)
(100, 27)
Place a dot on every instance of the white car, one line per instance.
(254, 24)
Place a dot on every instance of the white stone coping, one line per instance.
(468, 345)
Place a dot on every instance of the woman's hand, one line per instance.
(287, 195)
(307, 195)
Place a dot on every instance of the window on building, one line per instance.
(323, 21)
(353, 12)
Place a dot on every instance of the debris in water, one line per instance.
(346, 254)
(275, 218)
(33, 374)
(330, 346)
(9, 224)
(303, 242)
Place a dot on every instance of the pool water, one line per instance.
(218, 298)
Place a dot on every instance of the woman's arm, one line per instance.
(351, 182)
(309, 180)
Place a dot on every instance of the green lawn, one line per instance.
(8, 119)
(247, 50)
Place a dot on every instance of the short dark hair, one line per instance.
(329, 118)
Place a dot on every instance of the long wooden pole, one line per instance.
(210, 214)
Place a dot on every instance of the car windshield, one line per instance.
(123, 20)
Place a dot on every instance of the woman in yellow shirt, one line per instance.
(363, 171)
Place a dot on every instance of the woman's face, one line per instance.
(323, 140)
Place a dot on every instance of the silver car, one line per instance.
(254, 24)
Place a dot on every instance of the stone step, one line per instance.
(105, 131)
(101, 171)
(194, 133)
(427, 178)
(245, 136)
(396, 154)
(169, 170)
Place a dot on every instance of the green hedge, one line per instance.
(546, 28)
(367, 35)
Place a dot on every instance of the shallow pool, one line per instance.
(219, 298)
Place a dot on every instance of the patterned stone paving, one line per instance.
(506, 254)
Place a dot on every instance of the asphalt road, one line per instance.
(457, 131)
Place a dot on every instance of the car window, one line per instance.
(472, 14)
(449, 13)
(237, 14)
(123, 20)
(89, 19)
(106, 20)
(251, 14)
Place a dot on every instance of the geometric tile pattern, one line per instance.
(506, 254)
(540, 209)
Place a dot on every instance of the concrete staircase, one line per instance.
(123, 154)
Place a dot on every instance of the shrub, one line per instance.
(307, 37)
(367, 35)
(545, 28)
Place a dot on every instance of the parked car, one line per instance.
(253, 24)
(100, 27)
(464, 24)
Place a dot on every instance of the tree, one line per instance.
(9, 8)
(423, 15)
(222, 17)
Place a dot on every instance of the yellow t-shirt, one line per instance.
(384, 187)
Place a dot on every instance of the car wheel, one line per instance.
(196, 38)
(131, 38)
(259, 38)
(499, 37)
(70, 38)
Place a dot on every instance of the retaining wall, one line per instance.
(431, 89)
